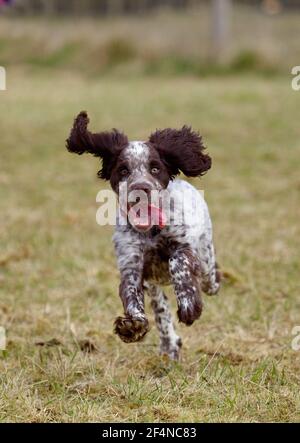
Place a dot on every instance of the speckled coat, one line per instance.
(178, 254)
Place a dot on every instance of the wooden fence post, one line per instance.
(221, 20)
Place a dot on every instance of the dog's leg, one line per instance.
(183, 272)
(134, 325)
(210, 275)
(170, 342)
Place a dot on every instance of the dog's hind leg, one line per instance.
(210, 275)
(170, 342)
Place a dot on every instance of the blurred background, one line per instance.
(221, 66)
(151, 36)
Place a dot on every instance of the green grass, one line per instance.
(58, 277)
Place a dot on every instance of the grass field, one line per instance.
(58, 278)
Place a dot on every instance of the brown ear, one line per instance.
(182, 150)
(106, 145)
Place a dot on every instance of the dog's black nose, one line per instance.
(141, 187)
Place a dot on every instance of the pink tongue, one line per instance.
(155, 218)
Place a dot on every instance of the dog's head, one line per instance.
(143, 166)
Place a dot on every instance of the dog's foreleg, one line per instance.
(134, 325)
(183, 274)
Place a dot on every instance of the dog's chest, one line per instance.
(156, 259)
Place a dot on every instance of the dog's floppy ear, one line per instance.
(182, 150)
(106, 145)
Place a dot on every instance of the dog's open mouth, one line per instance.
(144, 217)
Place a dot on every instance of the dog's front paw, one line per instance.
(131, 329)
(189, 309)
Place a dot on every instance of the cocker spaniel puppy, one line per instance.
(172, 244)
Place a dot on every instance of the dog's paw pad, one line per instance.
(131, 329)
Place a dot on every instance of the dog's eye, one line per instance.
(124, 172)
(154, 170)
